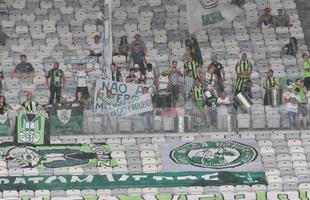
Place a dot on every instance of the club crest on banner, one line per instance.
(3, 117)
(208, 4)
(64, 115)
(214, 154)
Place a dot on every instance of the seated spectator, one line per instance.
(223, 100)
(266, 20)
(174, 82)
(138, 42)
(188, 85)
(97, 47)
(115, 72)
(137, 57)
(291, 48)
(123, 48)
(79, 99)
(193, 47)
(30, 104)
(23, 68)
(132, 78)
(4, 107)
(3, 37)
(292, 107)
(4, 9)
(282, 19)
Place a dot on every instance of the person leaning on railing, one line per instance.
(269, 83)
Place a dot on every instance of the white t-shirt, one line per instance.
(163, 82)
(81, 77)
(290, 107)
(150, 77)
(96, 48)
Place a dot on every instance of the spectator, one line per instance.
(24, 68)
(97, 47)
(209, 78)
(303, 107)
(3, 37)
(291, 48)
(3, 8)
(223, 100)
(220, 73)
(56, 83)
(150, 75)
(163, 95)
(137, 57)
(116, 74)
(30, 105)
(101, 15)
(174, 82)
(199, 94)
(269, 83)
(148, 117)
(123, 47)
(1, 79)
(266, 20)
(138, 42)
(282, 19)
(79, 99)
(81, 74)
(108, 105)
(4, 107)
(244, 70)
(193, 47)
(192, 66)
(292, 107)
(188, 85)
(132, 78)
(306, 67)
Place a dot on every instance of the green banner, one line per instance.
(149, 180)
(77, 61)
(5, 125)
(31, 127)
(57, 156)
(66, 118)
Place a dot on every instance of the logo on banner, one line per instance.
(209, 4)
(214, 154)
(64, 115)
(3, 117)
(30, 134)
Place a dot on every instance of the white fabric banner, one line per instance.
(204, 14)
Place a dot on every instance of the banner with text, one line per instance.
(122, 93)
(204, 14)
(117, 181)
(211, 156)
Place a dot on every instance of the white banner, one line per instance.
(122, 93)
(203, 14)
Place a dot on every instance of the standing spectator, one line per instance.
(137, 57)
(132, 78)
(303, 107)
(123, 47)
(191, 65)
(219, 72)
(188, 85)
(3, 8)
(244, 70)
(56, 83)
(269, 83)
(199, 94)
(3, 37)
(101, 15)
(209, 78)
(116, 74)
(150, 75)
(291, 48)
(292, 107)
(81, 74)
(163, 95)
(23, 68)
(306, 66)
(1, 79)
(107, 100)
(96, 48)
(30, 104)
(148, 117)
(266, 20)
(283, 19)
(193, 47)
(174, 79)
(138, 42)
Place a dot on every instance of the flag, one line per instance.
(66, 118)
(5, 125)
(204, 14)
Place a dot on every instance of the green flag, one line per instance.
(5, 126)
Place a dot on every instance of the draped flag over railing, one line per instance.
(203, 14)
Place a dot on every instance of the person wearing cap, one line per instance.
(282, 19)
(303, 104)
(96, 48)
(55, 81)
(306, 67)
(243, 69)
(269, 83)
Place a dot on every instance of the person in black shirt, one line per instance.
(220, 74)
(116, 74)
(1, 79)
(4, 107)
(56, 83)
(23, 67)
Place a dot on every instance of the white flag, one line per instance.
(204, 14)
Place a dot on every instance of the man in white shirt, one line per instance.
(292, 107)
(97, 47)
